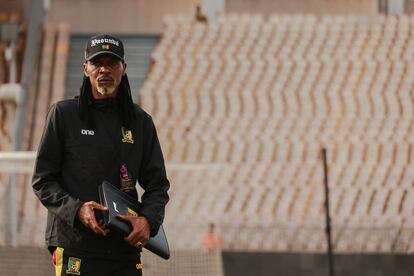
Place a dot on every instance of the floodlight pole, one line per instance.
(327, 216)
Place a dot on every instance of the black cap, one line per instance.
(104, 44)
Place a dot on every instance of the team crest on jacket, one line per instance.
(73, 266)
(127, 136)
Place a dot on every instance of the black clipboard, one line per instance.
(120, 203)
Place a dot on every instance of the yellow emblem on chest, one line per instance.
(127, 136)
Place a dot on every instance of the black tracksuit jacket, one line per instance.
(72, 160)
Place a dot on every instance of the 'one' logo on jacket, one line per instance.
(87, 132)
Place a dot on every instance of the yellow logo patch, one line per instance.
(127, 136)
(132, 212)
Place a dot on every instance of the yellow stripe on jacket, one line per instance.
(59, 261)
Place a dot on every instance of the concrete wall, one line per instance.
(303, 6)
(124, 16)
(12, 5)
(17, 7)
(145, 17)
(409, 6)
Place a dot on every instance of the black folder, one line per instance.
(120, 203)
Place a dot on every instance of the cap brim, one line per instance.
(102, 53)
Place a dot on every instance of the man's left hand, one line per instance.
(140, 229)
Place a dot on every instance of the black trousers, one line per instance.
(73, 263)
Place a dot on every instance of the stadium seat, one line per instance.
(264, 97)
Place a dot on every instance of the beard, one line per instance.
(106, 90)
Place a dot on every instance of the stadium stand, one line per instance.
(49, 87)
(245, 104)
(8, 106)
(243, 107)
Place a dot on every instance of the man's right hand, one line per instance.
(86, 215)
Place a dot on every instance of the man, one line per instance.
(199, 16)
(211, 240)
(100, 135)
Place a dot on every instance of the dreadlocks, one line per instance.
(124, 99)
